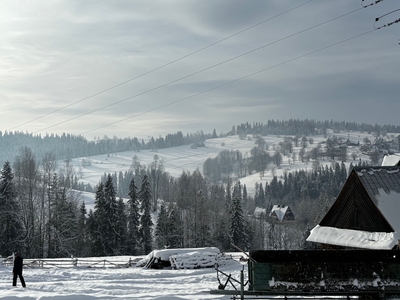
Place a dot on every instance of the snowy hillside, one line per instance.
(185, 158)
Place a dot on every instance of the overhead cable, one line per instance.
(200, 71)
(370, 4)
(230, 82)
(387, 24)
(162, 66)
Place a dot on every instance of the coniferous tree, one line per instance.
(237, 224)
(222, 235)
(145, 218)
(175, 230)
(133, 218)
(82, 243)
(161, 232)
(10, 226)
(121, 228)
(110, 227)
(97, 223)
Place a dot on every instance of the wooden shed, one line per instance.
(365, 214)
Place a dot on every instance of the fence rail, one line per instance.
(74, 262)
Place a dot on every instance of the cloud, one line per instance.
(56, 55)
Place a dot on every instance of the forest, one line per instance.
(42, 214)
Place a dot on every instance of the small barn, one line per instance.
(365, 214)
(281, 213)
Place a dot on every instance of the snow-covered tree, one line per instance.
(237, 224)
(133, 236)
(63, 222)
(146, 222)
(175, 230)
(10, 226)
(161, 232)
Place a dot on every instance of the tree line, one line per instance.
(68, 146)
(42, 214)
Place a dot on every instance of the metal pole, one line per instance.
(241, 285)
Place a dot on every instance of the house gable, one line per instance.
(354, 209)
(365, 214)
(281, 213)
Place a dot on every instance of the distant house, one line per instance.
(366, 212)
(391, 160)
(281, 213)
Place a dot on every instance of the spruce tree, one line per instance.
(81, 245)
(98, 223)
(146, 222)
(121, 228)
(175, 231)
(110, 226)
(161, 232)
(133, 219)
(10, 226)
(237, 224)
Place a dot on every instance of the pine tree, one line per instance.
(110, 227)
(10, 226)
(82, 247)
(133, 218)
(175, 231)
(121, 228)
(161, 232)
(98, 223)
(222, 236)
(237, 224)
(145, 219)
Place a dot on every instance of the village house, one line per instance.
(281, 214)
(365, 214)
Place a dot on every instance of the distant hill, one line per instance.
(176, 160)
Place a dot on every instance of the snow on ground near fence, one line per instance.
(101, 283)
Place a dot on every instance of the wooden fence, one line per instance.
(75, 263)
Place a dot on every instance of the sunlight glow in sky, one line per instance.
(133, 68)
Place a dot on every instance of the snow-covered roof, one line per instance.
(279, 211)
(259, 211)
(164, 254)
(353, 238)
(391, 160)
(382, 185)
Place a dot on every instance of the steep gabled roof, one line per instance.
(282, 213)
(366, 212)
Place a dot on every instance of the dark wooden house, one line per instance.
(366, 212)
(281, 214)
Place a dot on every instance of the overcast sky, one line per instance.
(148, 68)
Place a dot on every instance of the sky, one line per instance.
(148, 68)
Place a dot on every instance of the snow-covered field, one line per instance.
(70, 283)
(184, 158)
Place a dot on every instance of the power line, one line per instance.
(200, 71)
(387, 24)
(370, 4)
(230, 82)
(162, 66)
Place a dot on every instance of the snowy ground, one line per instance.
(114, 283)
(184, 158)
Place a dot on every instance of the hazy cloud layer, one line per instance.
(55, 55)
